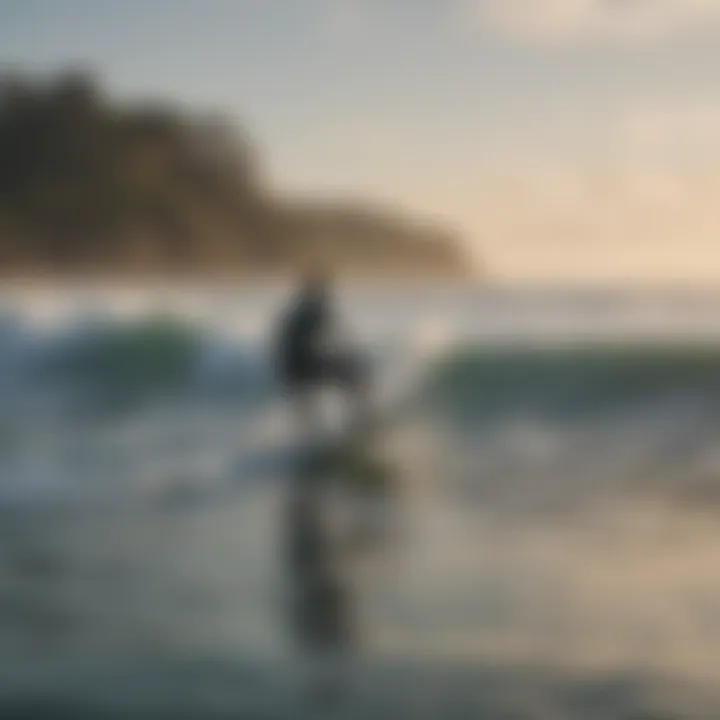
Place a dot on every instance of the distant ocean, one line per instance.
(559, 506)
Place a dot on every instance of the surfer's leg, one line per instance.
(299, 385)
(306, 409)
(349, 374)
(358, 393)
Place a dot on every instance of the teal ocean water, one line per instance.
(555, 529)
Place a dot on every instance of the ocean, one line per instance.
(555, 520)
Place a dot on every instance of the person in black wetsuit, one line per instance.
(309, 354)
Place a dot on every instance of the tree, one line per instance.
(88, 182)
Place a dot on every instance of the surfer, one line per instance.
(312, 355)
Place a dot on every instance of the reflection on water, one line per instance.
(551, 554)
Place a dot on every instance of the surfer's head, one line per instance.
(316, 283)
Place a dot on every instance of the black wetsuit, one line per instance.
(304, 358)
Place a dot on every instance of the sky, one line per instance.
(567, 140)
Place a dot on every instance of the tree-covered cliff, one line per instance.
(88, 184)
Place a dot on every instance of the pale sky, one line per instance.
(566, 139)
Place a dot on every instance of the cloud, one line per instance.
(631, 196)
(567, 22)
(644, 206)
(348, 20)
(682, 132)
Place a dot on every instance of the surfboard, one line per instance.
(355, 463)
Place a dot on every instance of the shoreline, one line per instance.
(247, 280)
(382, 280)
